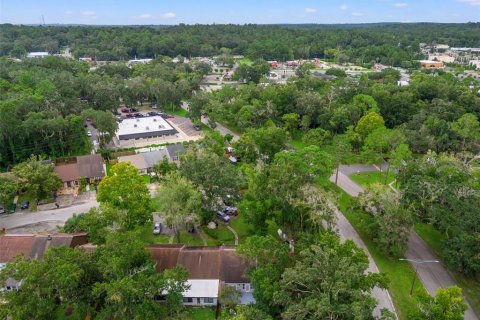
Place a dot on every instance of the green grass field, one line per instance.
(245, 61)
(370, 177)
(399, 273)
(433, 238)
(242, 228)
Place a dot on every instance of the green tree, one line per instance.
(448, 304)
(37, 177)
(216, 178)
(163, 168)
(290, 122)
(8, 188)
(329, 281)
(268, 258)
(317, 137)
(368, 123)
(125, 190)
(178, 200)
(468, 128)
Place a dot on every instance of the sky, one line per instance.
(128, 12)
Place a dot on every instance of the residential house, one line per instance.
(210, 269)
(175, 150)
(37, 54)
(430, 64)
(136, 160)
(146, 160)
(72, 170)
(33, 246)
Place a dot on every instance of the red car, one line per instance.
(129, 115)
(231, 211)
(169, 116)
(125, 110)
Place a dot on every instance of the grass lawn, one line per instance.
(433, 238)
(219, 236)
(370, 177)
(147, 236)
(400, 273)
(200, 314)
(189, 239)
(245, 61)
(242, 228)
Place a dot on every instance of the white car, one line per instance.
(89, 133)
(157, 228)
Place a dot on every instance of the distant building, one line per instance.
(138, 61)
(442, 47)
(37, 54)
(476, 63)
(430, 64)
(445, 57)
(86, 59)
(476, 50)
(143, 128)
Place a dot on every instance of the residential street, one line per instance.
(347, 232)
(55, 216)
(432, 275)
(220, 128)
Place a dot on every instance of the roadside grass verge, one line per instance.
(368, 178)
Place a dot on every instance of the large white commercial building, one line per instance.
(142, 128)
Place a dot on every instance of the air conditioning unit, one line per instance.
(147, 128)
(134, 125)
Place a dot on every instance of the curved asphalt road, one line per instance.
(432, 275)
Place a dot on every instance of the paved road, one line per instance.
(220, 128)
(347, 232)
(55, 216)
(432, 275)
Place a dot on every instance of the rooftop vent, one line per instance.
(147, 128)
(134, 125)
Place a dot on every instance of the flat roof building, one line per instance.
(146, 127)
(37, 54)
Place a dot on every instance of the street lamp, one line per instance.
(417, 262)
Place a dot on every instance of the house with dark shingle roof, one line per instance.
(33, 246)
(209, 269)
(90, 167)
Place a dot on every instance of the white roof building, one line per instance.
(146, 127)
(37, 54)
(202, 288)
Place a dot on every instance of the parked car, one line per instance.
(157, 228)
(169, 116)
(125, 110)
(152, 113)
(25, 205)
(138, 115)
(89, 133)
(223, 216)
(153, 105)
(133, 110)
(2, 210)
(231, 211)
(196, 127)
(12, 208)
(129, 115)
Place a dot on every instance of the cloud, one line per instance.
(143, 16)
(400, 5)
(68, 12)
(344, 7)
(168, 15)
(310, 10)
(357, 14)
(88, 13)
(471, 2)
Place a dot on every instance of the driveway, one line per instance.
(432, 275)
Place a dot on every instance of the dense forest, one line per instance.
(391, 44)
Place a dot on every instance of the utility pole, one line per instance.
(417, 262)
